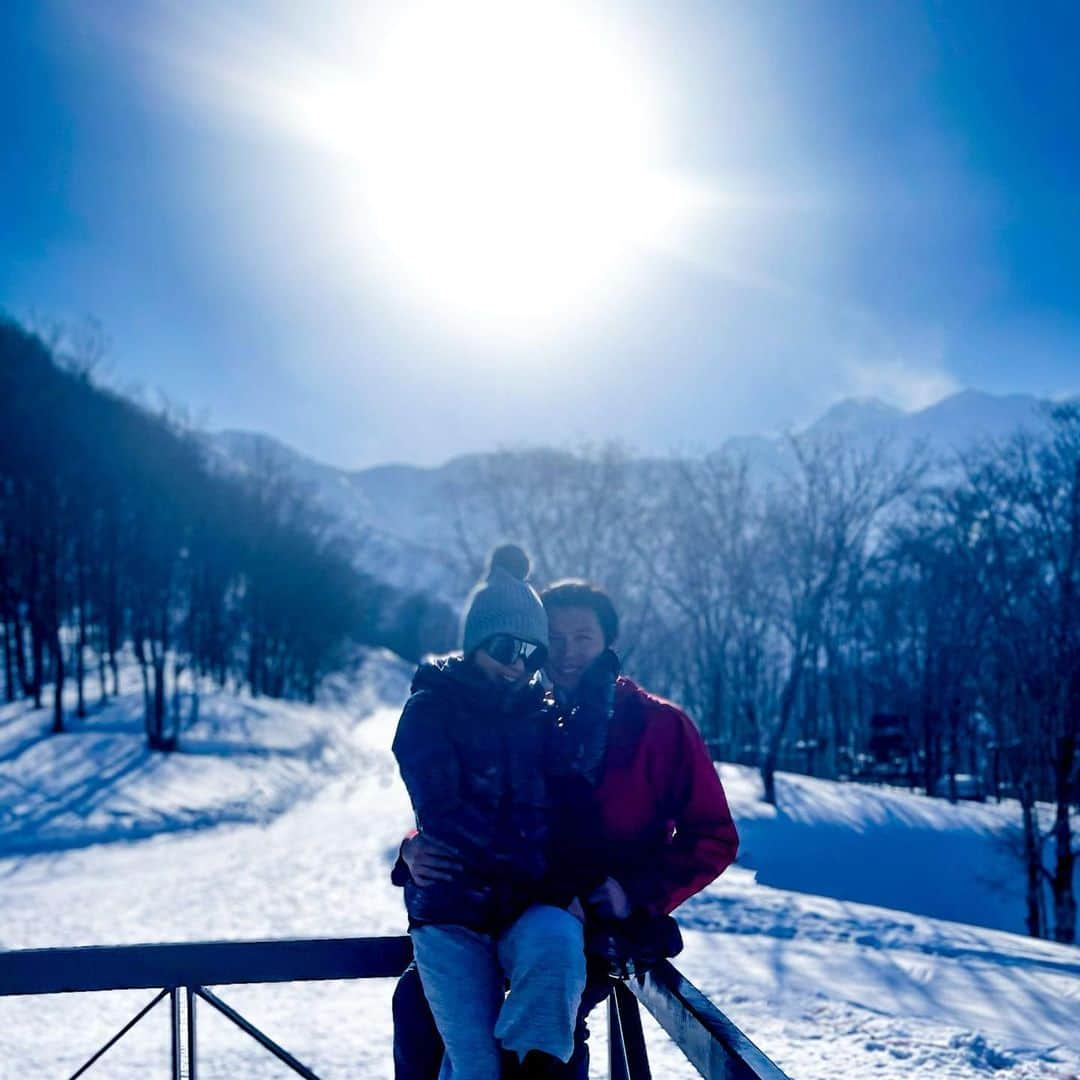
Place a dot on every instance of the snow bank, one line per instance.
(244, 760)
(884, 846)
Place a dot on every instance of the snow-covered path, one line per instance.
(827, 987)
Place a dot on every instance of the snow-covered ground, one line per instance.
(885, 846)
(282, 820)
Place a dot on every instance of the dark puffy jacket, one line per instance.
(472, 757)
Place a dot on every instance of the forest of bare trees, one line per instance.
(856, 614)
(116, 534)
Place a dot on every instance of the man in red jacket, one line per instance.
(665, 823)
(664, 830)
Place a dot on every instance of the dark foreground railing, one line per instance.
(183, 973)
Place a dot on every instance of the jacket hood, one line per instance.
(455, 675)
(437, 672)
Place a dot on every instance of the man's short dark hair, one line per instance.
(573, 592)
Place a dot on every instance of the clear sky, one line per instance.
(382, 232)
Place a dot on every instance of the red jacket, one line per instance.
(664, 816)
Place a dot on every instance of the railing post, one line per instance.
(190, 994)
(617, 1067)
(174, 1021)
(631, 1034)
(182, 1017)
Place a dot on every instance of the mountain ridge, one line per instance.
(401, 516)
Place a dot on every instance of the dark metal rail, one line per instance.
(183, 972)
(709, 1039)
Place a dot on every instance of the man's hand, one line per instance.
(430, 860)
(610, 900)
(577, 910)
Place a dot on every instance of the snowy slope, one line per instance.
(886, 846)
(827, 986)
(245, 760)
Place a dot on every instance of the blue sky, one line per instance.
(888, 203)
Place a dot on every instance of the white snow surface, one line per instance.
(282, 820)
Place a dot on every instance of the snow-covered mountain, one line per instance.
(395, 515)
(954, 423)
(401, 517)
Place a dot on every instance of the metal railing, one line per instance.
(183, 973)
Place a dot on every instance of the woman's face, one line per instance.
(500, 674)
(577, 639)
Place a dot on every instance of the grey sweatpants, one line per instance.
(463, 972)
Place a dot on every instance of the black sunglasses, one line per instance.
(507, 649)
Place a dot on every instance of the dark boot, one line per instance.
(540, 1066)
(418, 1048)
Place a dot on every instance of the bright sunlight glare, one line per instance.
(502, 161)
(509, 162)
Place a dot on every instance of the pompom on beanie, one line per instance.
(504, 603)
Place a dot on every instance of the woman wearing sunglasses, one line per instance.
(472, 747)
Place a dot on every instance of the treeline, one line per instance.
(115, 532)
(854, 613)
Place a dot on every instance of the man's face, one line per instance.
(576, 641)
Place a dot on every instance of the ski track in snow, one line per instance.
(293, 836)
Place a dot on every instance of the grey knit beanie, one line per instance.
(504, 604)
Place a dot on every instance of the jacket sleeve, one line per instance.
(399, 872)
(431, 770)
(426, 758)
(700, 840)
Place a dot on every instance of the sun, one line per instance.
(500, 165)
(508, 161)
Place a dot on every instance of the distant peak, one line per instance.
(968, 393)
(970, 398)
(854, 412)
(863, 405)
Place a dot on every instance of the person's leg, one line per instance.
(463, 984)
(597, 989)
(418, 1047)
(543, 955)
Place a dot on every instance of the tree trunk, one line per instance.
(776, 738)
(100, 638)
(253, 664)
(144, 671)
(160, 741)
(811, 724)
(1062, 887)
(58, 679)
(80, 653)
(113, 624)
(9, 665)
(1032, 861)
(20, 651)
(37, 660)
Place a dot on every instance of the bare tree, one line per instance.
(1028, 498)
(700, 546)
(820, 521)
(574, 512)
